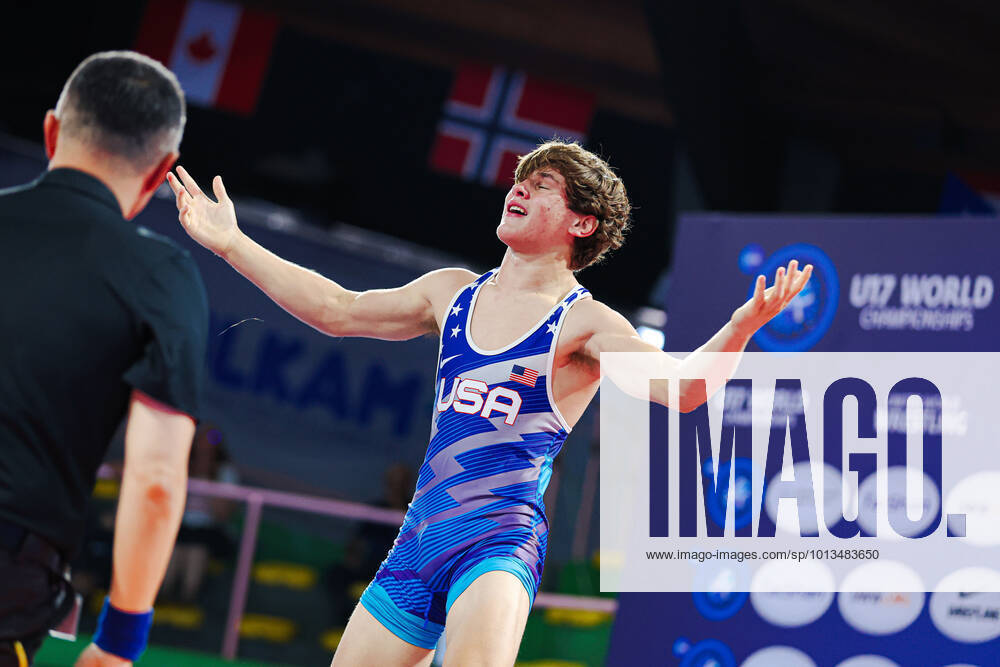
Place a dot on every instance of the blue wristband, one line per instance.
(122, 633)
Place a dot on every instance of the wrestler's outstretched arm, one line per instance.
(405, 312)
(607, 331)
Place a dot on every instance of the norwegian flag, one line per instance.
(973, 193)
(524, 375)
(218, 50)
(495, 115)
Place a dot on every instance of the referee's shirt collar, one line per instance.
(83, 183)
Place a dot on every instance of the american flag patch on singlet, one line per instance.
(524, 375)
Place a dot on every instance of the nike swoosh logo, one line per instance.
(444, 361)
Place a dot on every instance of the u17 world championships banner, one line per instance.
(837, 500)
(892, 284)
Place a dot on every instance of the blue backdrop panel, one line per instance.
(893, 284)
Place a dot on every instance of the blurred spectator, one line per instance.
(377, 538)
(366, 550)
(203, 531)
(92, 566)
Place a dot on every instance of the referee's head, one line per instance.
(122, 110)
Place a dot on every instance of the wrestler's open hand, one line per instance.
(211, 224)
(766, 303)
(95, 657)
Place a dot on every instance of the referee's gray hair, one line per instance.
(125, 104)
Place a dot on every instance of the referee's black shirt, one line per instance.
(91, 306)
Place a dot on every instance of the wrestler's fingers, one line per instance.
(219, 189)
(779, 282)
(189, 182)
(803, 278)
(758, 290)
(796, 286)
(186, 216)
(790, 277)
(174, 184)
(182, 195)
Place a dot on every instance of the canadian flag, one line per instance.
(219, 51)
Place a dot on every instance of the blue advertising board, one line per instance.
(880, 284)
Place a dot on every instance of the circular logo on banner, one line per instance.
(878, 613)
(808, 317)
(720, 589)
(719, 606)
(742, 496)
(707, 653)
(966, 607)
(792, 594)
(773, 656)
(868, 660)
(751, 258)
(975, 496)
(874, 493)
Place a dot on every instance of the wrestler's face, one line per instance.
(536, 216)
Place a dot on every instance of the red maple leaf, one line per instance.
(202, 48)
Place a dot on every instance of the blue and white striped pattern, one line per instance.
(479, 491)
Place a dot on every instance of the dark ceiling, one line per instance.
(902, 83)
(903, 89)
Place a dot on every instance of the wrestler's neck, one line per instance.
(123, 183)
(537, 273)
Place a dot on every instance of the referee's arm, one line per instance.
(154, 487)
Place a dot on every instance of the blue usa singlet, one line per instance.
(478, 502)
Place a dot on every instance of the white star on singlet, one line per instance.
(454, 332)
(455, 310)
(552, 328)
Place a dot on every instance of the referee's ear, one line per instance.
(151, 181)
(50, 129)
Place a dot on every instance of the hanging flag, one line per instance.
(974, 193)
(494, 115)
(219, 51)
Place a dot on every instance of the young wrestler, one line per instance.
(518, 364)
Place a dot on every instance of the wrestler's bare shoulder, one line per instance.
(441, 285)
(590, 317)
(449, 279)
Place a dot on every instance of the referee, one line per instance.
(98, 317)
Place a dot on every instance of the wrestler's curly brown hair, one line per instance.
(592, 188)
